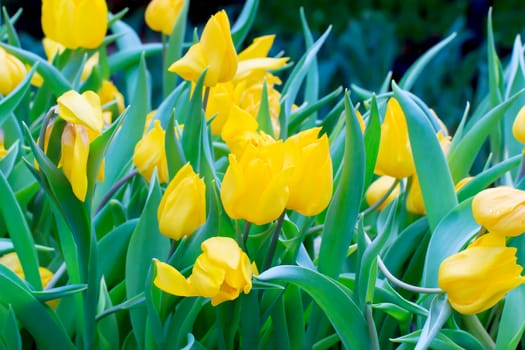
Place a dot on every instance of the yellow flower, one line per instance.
(480, 276)
(182, 208)
(215, 51)
(221, 272)
(311, 181)
(82, 109)
(75, 23)
(462, 183)
(518, 127)
(254, 58)
(52, 48)
(378, 189)
(108, 92)
(12, 262)
(395, 155)
(501, 210)
(74, 158)
(238, 130)
(220, 102)
(161, 15)
(12, 72)
(150, 153)
(255, 185)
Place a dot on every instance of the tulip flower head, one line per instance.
(12, 262)
(379, 188)
(311, 180)
(12, 72)
(162, 15)
(501, 210)
(479, 277)
(150, 153)
(221, 272)
(182, 208)
(518, 127)
(214, 51)
(395, 154)
(75, 23)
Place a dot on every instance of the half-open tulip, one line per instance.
(12, 72)
(395, 154)
(221, 272)
(150, 153)
(75, 23)
(501, 210)
(214, 51)
(479, 277)
(182, 208)
(162, 15)
(311, 180)
(74, 158)
(255, 185)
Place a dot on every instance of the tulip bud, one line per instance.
(311, 180)
(518, 127)
(379, 188)
(74, 158)
(480, 276)
(255, 185)
(82, 109)
(75, 23)
(182, 208)
(501, 210)
(12, 262)
(215, 51)
(150, 153)
(161, 15)
(221, 272)
(12, 72)
(395, 155)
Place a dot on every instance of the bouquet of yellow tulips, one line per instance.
(247, 209)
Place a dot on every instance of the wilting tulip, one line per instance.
(518, 127)
(255, 185)
(161, 15)
(12, 72)
(12, 262)
(395, 155)
(150, 153)
(182, 208)
(221, 272)
(215, 51)
(75, 23)
(74, 158)
(311, 181)
(82, 109)
(480, 276)
(501, 210)
(379, 188)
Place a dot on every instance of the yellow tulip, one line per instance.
(74, 158)
(221, 272)
(501, 210)
(255, 185)
(12, 262)
(108, 92)
(182, 208)
(161, 15)
(215, 51)
(75, 23)
(220, 102)
(238, 130)
(12, 72)
(82, 109)
(311, 180)
(479, 277)
(150, 153)
(395, 155)
(379, 188)
(518, 127)
(52, 48)
(254, 58)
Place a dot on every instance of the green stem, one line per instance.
(273, 244)
(114, 189)
(381, 200)
(45, 122)
(474, 326)
(205, 98)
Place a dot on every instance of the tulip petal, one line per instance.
(172, 281)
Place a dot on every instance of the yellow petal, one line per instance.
(172, 281)
(82, 109)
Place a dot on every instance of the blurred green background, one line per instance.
(368, 39)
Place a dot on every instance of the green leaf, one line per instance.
(512, 323)
(494, 66)
(9, 327)
(7, 163)
(263, 116)
(437, 316)
(12, 36)
(174, 153)
(311, 89)
(242, 25)
(11, 101)
(371, 138)
(59, 292)
(450, 235)
(342, 211)
(126, 58)
(48, 332)
(194, 125)
(331, 298)
(411, 75)
(434, 177)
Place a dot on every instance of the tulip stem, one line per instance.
(273, 244)
(522, 168)
(56, 276)
(474, 326)
(115, 188)
(381, 200)
(205, 98)
(45, 122)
